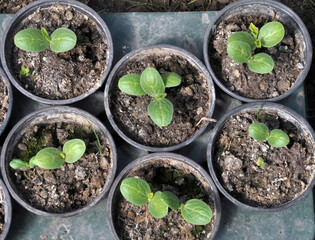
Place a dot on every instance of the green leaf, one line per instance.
(243, 36)
(74, 149)
(171, 79)
(258, 43)
(260, 163)
(278, 138)
(170, 199)
(271, 34)
(161, 112)
(196, 212)
(31, 40)
(261, 63)
(62, 40)
(254, 30)
(258, 131)
(32, 162)
(45, 34)
(130, 84)
(151, 82)
(17, 163)
(157, 207)
(49, 158)
(135, 190)
(239, 51)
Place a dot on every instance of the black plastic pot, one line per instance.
(52, 115)
(8, 85)
(8, 209)
(10, 31)
(268, 8)
(175, 160)
(139, 54)
(289, 115)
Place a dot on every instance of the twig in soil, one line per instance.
(205, 119)
(149, 5)
(207, 3)
(98, 140)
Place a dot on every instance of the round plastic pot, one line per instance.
(52, 115)
(7, 44)
(268, 8)
(145, 51)
(8, 115)
(7, 208)
(283, 111)
(175, 160)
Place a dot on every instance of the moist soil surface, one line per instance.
(238, 78)
(287, 171)
(70, 187)
(136, 222)
(62, 75)
(4, 101)
(2, 212)
(190, 100)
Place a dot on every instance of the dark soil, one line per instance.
(4, 101)
(2, 212)
(70, 187)
(238, 78)
(136, 222)
(191, 102)
(287, 171)
(62, 75)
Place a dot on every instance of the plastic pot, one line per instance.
(6, 201)
(270, 9)
(139, 54)
(53, 115)
(11, 30)
(9, 89)
(161, 159)
(282, 112)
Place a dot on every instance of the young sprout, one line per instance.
(242, 44)
(138, 192)
(25, 71)
(260, 163)
(53, 158)
(275, 138)
(35, 40)
(152, 83)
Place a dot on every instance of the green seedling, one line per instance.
(275, 138)
(98, 145)
(53, 158)
(260, 163)
(35, 40)
(25, 71)
(152, 83)
(138, 192)
(242, 44)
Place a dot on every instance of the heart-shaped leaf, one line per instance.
(49, 158)
(278, 138)
(73, 149)
(31, 40)
(130, 84)
(196, 212)
(261, 63)
(239, 51)
(171, 79)
(151, 82)
(258, 131)
(243, 36)
(271, 34)
(62, 40)
(157, 207)
(170, 199)
(135, 190)
(161, 112)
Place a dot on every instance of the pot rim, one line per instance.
(10, 94)
(157, 156)
(216, 131)
(61, 110)
(8, 218)
(182, 52)
(31, 8)
(268, 4)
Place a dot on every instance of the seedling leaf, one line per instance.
(152, 83)
(239, 51)
(261, 63)
(135, 190)
(171, 79)
(271, 34)
(49, 158)
(62, 40)
(170, 199)
(278, 138)
(130, 84)
(196, 212)
(258, 131)
(74, 150)
(157, 207)
(161, 112)
(17, 163)
(243, 36)
(31, 40)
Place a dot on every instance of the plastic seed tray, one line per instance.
(131, 31)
